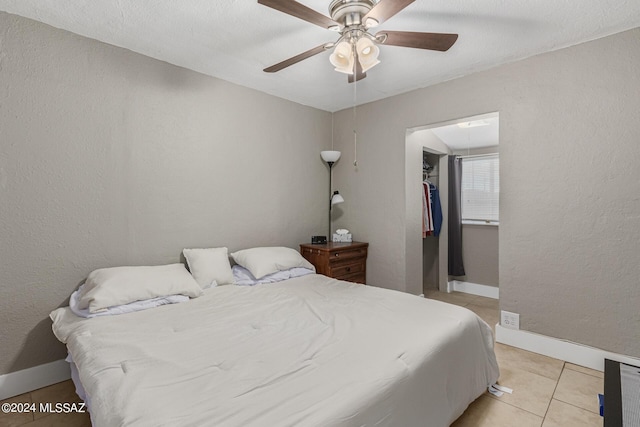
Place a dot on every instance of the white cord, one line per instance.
(331, 131)
(355, 148)
(355, 133)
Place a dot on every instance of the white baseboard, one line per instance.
(568, 351)
(474, 289)
(15, 383)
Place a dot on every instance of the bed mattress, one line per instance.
(310, 351)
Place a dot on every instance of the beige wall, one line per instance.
(480, 254)
(569, 205)
(480, 248)
(110, 158)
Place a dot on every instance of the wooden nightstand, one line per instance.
(344, 261)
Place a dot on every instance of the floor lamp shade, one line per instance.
(337, 198)
(330, 156)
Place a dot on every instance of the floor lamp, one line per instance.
(330, 157)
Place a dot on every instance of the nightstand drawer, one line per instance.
(343, 261)
(355, 278)
(347, 255)
(348, 269)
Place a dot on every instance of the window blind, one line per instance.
(481, 188)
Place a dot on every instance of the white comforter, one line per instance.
(310, 351)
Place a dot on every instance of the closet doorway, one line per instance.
(436, 204)
(474, 141)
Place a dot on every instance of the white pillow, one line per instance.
(209, 266)
(125, 308)
(263, 261)
(107, 287)
(243, 277)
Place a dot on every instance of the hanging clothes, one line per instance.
(427, 214)
(431, 210)
(436, 209)
(425, 221)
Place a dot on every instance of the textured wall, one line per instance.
(569, 204)
(110, 158)
(480, 249)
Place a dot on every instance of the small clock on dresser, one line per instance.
(344, 261)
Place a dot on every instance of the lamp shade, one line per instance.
(367, 54)
(330, 156)
(342, 58)
(336, 198)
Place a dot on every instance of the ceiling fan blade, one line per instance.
(385, 9)
(430, 41)
(293, 8)
(295, 59)
(359, 74)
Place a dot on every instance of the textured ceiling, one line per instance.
(235, 39)
(469, 138)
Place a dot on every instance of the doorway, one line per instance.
(474, 140)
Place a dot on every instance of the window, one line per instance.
(481, 188)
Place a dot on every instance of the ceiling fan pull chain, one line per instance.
(332, 114)
(355, 132)
(355, 148)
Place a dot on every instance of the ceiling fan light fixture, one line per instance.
(342, 58)
(369, 65)
(367, 53)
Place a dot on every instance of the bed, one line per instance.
(308, 351)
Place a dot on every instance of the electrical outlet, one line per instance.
(509, 320)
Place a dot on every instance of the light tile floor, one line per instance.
(546, 392)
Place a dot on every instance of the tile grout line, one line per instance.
(549, 404)
(33, 415)
(564, 364)
(569, 403)
(578, 407)
(585, 373)
(514, 406)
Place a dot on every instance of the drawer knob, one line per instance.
(337, 254)
(348, 268)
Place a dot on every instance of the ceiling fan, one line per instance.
(356, 50)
